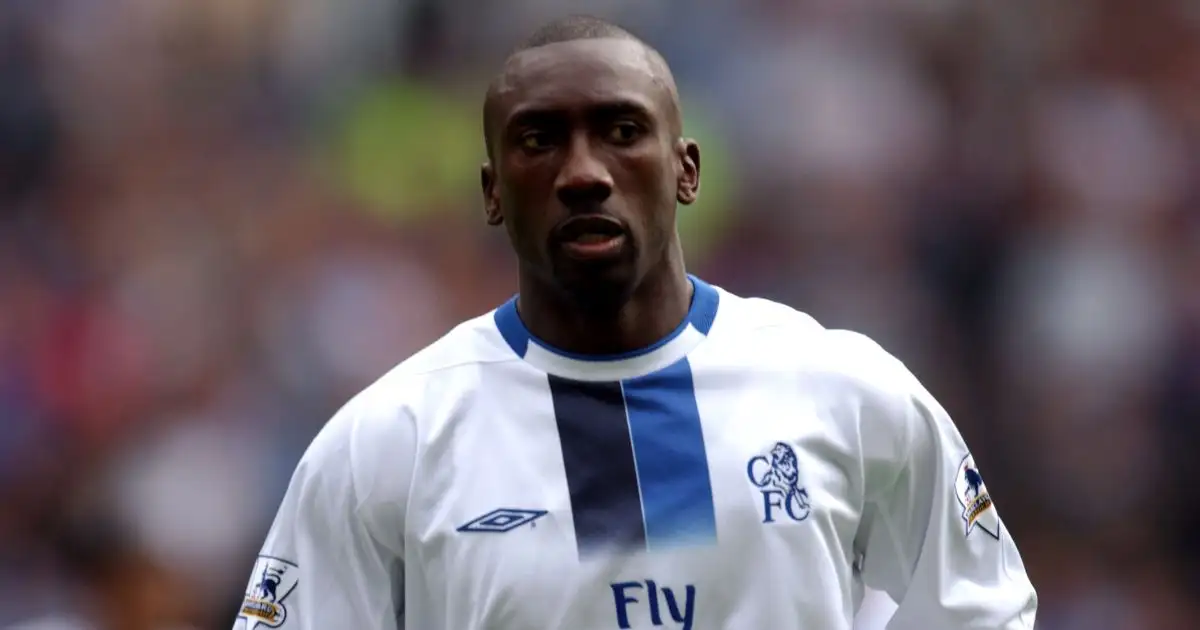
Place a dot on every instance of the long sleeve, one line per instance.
(932, 537)
(334, 555)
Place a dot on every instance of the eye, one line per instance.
(624, 132)
(535, 140)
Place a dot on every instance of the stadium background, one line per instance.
(220, 218)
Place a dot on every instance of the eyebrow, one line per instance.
(611, 108)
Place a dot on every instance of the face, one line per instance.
(586, 164)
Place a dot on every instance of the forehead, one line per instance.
(578, 74)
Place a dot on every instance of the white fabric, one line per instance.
(368, 534)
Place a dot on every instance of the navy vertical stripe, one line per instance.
(598, 455)
(672, 464)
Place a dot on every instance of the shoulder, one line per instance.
(787, 338)
(858, 386)
(370, 444)
(448, 365)
(474, 342)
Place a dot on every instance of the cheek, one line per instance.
(520, 232)
(528, 189)
(664, 181)
(651, 178)
(524, 222)
(655, 203)
(663, 187)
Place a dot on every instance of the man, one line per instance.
(623, 445)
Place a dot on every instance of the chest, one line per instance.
(684, 492)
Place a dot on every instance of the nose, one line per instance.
(583, 179)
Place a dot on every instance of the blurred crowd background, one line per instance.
(219, 219)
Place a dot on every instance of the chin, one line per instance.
(597, 289)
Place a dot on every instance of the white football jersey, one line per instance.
(752, 470)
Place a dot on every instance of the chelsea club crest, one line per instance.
(777, 477)
(978, 511)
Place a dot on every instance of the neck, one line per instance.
(655, 308)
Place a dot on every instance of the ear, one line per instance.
(687, 187)
(491, 202)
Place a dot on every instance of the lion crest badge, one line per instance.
(272, 580)
(978, 510)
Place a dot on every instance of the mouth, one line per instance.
(592, 237)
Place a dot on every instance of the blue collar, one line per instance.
(700, 316)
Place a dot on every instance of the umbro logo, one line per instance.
(502, 520)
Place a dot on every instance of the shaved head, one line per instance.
(571, 29)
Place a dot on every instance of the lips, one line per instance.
(592, 237)
(592, 228)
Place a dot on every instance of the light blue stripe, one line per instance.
(672, 466)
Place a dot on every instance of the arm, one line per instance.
(334, 556)
(931, 536)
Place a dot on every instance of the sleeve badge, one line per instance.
(978, 510)
(272, 580)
